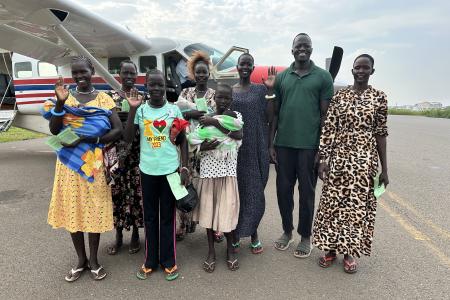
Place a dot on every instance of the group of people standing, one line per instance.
(222, 142)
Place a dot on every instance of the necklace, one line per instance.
(200, 91)
(85, 93)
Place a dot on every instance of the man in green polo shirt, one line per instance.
(302, 94)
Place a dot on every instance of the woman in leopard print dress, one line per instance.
(352, 141)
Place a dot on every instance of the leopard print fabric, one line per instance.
(346, 214)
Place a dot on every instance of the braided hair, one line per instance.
(84, 59)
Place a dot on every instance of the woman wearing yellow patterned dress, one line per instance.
(81, 199)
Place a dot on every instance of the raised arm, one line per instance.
(135, 101)
(62, 93)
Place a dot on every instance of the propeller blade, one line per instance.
(335, 62)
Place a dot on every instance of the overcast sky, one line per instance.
(410, 40)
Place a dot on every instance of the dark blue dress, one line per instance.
(253, 158)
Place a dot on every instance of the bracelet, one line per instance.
(57, 114)
(270, 97)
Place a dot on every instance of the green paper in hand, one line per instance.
(68, 136)
(378, 190)
(178, 190)
(201, 104)
(54, 143)
(125, 106)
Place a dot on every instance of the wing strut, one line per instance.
(75, 46)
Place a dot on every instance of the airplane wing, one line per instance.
(28, 27)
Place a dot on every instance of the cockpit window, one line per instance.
(214, 54)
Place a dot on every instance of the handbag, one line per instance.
(188, 202)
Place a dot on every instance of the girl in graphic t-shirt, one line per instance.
(158, 158)
(218, 138)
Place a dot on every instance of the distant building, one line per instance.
(427, 105)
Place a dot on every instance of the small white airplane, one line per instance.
(41, 37)
(44, 35)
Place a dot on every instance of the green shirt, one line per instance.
(299, 106)
(158, 155)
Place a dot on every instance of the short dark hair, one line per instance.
(301, 34)
(153, 72)
(225, 86)
(127, 61)
(83, 59)
(367, 56)
(245, 54)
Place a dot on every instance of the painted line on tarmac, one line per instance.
(404, 203)
(416, 233)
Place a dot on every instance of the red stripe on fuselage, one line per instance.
(31, 102)
(67, 80)
(35, 95)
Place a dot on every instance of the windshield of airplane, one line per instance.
(214, 54)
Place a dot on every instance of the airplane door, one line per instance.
(224, 68)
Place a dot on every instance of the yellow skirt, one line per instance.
(78, 205)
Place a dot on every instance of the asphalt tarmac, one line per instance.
(411, 249)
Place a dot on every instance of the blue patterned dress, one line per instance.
(253, 158)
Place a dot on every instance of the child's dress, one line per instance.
(218, 208)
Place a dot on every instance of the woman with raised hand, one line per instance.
(81, 198)
(253, 161)
(159, 158)
(352, 143)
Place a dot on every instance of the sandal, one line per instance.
(327, 260)
(144, 273)
(209, 267)
(172, 273)
(233, 265)
(256, 248)
(303, 250)
(75, 274)
(134, 248)
(98, 274)
(350, 267)
(283, 242)
(218, 237)
(179, 237)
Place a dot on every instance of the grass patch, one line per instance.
(432, 113)
(19, 134)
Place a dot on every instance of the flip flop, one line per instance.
(133, 250)
(209, 267)
(143, 273)
(233, 265)
(302, 250)
(283, 242)
(350, 267)
(256, 248)
(74, 274)
(172, 273)
(113, 249)
(327, 260)
(179, 237)
(98, 274)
